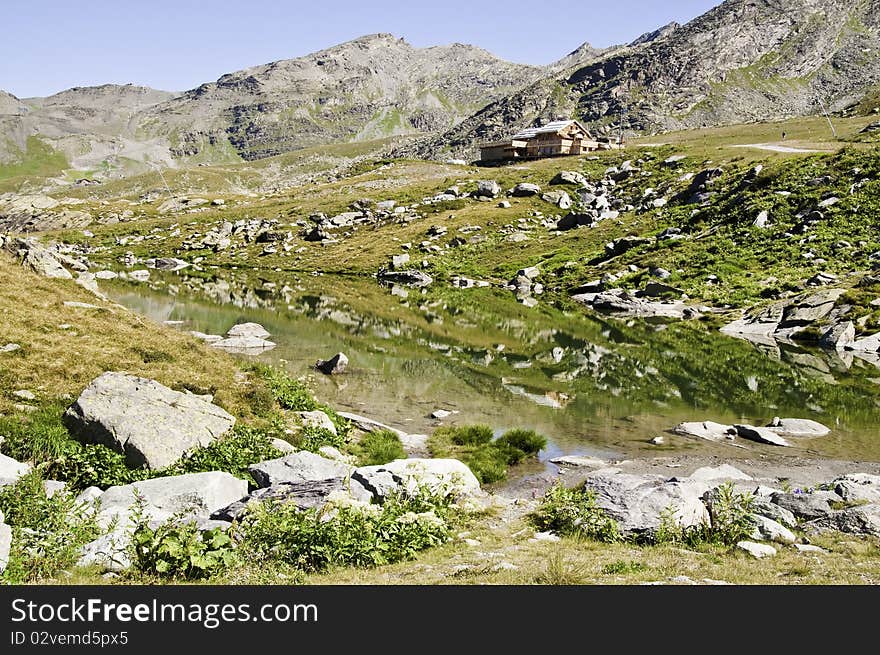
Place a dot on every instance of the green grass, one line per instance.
(379, 447)
(38, 160)
(488, 458)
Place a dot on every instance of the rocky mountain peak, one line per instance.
(10, 105)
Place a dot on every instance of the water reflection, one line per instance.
(594, 385)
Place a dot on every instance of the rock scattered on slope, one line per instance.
(152, 425)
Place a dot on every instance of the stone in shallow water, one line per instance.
(248, 330)
(243, 345)
(798, 427)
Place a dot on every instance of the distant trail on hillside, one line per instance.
(773, 147)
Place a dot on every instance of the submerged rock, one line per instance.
(798, 427)
(336, 365)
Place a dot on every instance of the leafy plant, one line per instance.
(312, 438)
(47, 532)
(178, 549)
(623, 567)
(487, 458)
(574, 512)
(379, 447)
(346, 535)
(245, 446)
(729, 521)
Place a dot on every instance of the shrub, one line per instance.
(245, 446)
(348, 535)
(288, 393)
(470, 435)
(312, 438)
(178, 549)
(729, 521)
(47, 533)
(487, 459)
(573, 512)
(379, 447)
(528, 442)
(88, 465)
(295, 395)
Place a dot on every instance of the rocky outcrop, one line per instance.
(445, 477)
(154, 426)
(195, 495)
(313, 494)
(637, 502)
(302, 466)
(38, 213)
(625, 303)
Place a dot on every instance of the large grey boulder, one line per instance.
(487, 189)
(762, 505)
(244, 345)
(154, 426)
(303, 466)
(38, 258)
(758, 551)
(305, 495)
(839, 336)
(808, 506)
(195, 495)
(569, 177)
(769, 530)
(798, 427)
(861, 520)
(637, 502)
(316, 419)
(807, 309)
(525, 189)
(444, 477)
(248, 330)
(723, 472)
(858, 487)
(109, 552)
(706, 430)
(11, 470)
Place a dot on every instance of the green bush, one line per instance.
(47, 533)
(290, 394)
(93, 465)
(470, 435)
(729, 521)
(488, 459)
(177, 549)
(245, 446)
(295, 395)
(355, 535)
(573, 512)
(527, 442)
(312, 438)
(379, 447)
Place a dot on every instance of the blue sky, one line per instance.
(51, 45)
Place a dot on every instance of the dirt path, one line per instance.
(774, 147)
